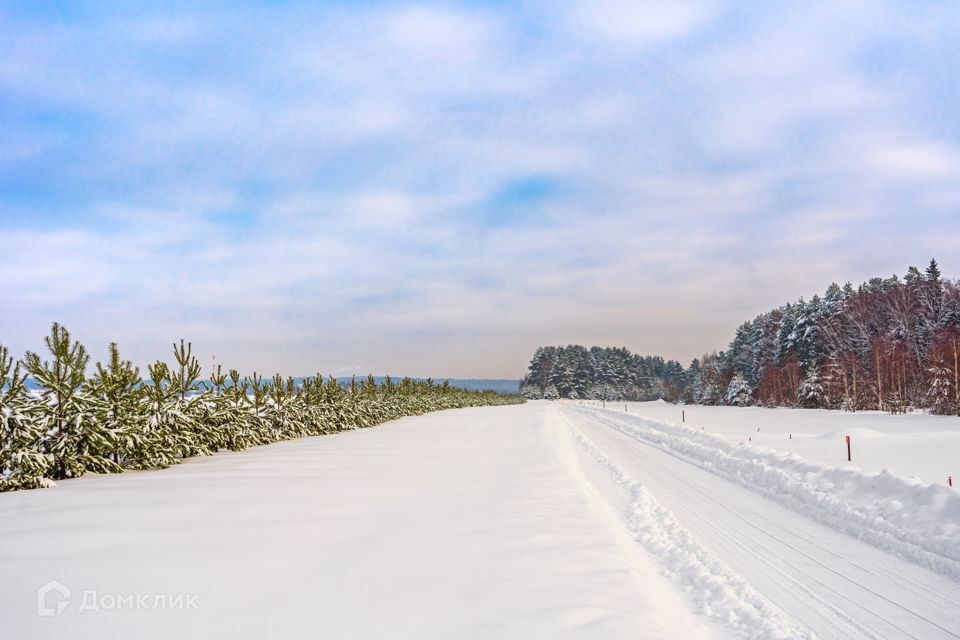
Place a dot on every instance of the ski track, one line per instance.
(830, 584)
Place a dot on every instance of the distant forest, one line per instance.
(891, 344)
(607, 373)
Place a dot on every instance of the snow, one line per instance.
(717, 592)
(545, 520)
(828, 583)
(913, 444)
(458, 524)
(917, 521)
(870, 506)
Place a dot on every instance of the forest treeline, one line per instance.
(891, 344)
(605, 373)
(67, 424)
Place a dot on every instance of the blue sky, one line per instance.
(437, 188)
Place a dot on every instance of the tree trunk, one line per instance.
(879, 380)
(956, 374)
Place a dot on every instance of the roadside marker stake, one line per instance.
(950, 480)
(683, 414)
(848, 449)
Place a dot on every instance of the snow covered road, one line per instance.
(537, 521)
(827, 582)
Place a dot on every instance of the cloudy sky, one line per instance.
(437, 188)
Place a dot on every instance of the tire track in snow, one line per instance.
(825, 604)
(718, 592)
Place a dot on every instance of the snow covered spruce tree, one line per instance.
(944, 374)
(812, 394)
(739, 393)
(532, 392)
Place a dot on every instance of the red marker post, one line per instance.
(848, 449)
(950, 480)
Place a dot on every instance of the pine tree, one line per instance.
(77, 441)
(191, 434)
(23, 463)
(157, 446)
(120, 406)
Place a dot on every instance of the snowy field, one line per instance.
(917, 444)
(546, 520)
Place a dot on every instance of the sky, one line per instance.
(438, 188)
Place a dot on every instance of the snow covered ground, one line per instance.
(917, 444)
(545, 520)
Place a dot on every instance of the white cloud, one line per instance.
(917, 160)
(635, 22)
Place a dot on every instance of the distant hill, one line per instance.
(500, 386)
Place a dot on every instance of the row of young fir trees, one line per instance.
(890, 344)
(65, 424)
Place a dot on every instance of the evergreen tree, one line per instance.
(157, 446)
(739, 393)
(812, 394)
(77, 441)
(120, 404)
(532, 392)
(23, 463)
(941, 396)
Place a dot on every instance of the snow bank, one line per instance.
(912, 444)
(916, 521)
